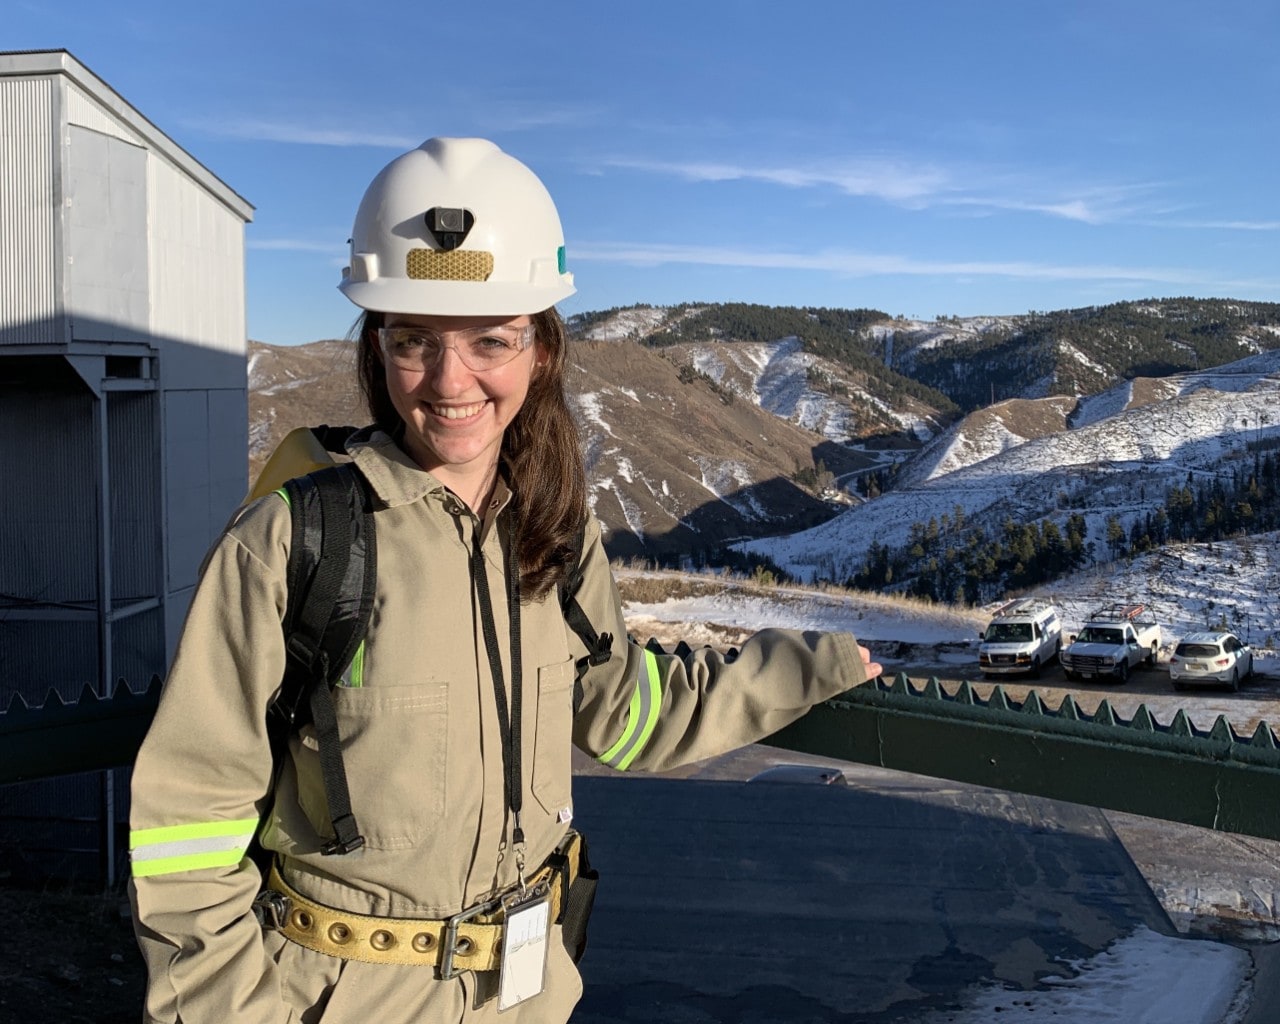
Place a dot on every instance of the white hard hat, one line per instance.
(457, 227)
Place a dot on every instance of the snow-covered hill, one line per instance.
(808, 390)
(1118, 464)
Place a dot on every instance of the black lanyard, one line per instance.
(508, 723)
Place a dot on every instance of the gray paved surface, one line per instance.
(870, 903)
(729, 901)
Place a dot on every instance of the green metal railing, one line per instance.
(1216, 778)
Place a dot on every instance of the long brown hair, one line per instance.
(540, 449)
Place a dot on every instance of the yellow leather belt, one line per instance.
(468, 941)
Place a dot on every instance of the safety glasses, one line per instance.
(479, 348)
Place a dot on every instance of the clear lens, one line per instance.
(480, 349)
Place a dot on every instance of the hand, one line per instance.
(870, 667)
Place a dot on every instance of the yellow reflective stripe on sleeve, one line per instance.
(284, 494)
(175, 848)
(354, 675)
(642, 717)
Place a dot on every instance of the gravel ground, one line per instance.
(67, 957)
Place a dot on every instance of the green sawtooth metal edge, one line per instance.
(62, 738)
(1217, 778)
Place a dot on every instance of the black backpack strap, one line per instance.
(333, 439)
(599, 645)
(332, 571)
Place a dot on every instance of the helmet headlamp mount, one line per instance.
(449, 226)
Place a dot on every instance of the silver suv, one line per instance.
(1210, 658)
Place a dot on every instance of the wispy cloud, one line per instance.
(872, 264)
(924, 185)
(1083, 210)
(889, 180)
(274, 131)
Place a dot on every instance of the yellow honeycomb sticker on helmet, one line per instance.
(458, 265)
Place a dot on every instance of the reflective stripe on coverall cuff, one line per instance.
(642, 716)
(174, 848)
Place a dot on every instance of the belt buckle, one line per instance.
(271, 908)
(449, 944)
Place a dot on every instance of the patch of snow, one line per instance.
(628, 323)
(1084, 360)
(731, 482)
(589, 410)
(630, 512)
(1143, 978)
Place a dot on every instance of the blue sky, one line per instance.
(922, 158)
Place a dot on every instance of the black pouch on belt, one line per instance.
(576, 907)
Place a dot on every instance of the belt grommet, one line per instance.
(465, 947)
(302, 920)
(424, 942)
(339, 933)
(382, 940)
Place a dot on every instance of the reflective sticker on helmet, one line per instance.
(458, 265)
(560, 259)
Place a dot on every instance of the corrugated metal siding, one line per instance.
(49, 557)
(28, 214)
(47, 501)
(106, 197)
(39, 655)
(52, 828)
(197, 282)
(137, 648)
(189, 521)
(135, 487)
(82, 110)
(228, 443)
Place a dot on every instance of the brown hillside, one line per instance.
(675, 463)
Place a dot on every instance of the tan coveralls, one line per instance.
(422, 747)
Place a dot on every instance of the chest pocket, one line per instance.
(552, 770)
(395, 748)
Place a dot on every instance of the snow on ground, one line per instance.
(1230, 585)
(589, 409)
(1122, 465)
(628, 323)
(1096, 408)
(1144, 978)
(869, 618)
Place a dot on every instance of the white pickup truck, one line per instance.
(1115, 640)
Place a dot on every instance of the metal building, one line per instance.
(123, 402)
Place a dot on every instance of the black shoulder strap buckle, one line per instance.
(602, 651)
(347, 838)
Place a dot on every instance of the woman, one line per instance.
(456, 728)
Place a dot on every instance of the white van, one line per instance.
(1023, 636)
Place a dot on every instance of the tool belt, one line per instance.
(468, 941)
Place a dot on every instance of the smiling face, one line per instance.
(455, 416)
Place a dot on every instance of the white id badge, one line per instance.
(524, 949)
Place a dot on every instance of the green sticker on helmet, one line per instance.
(560, 259)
